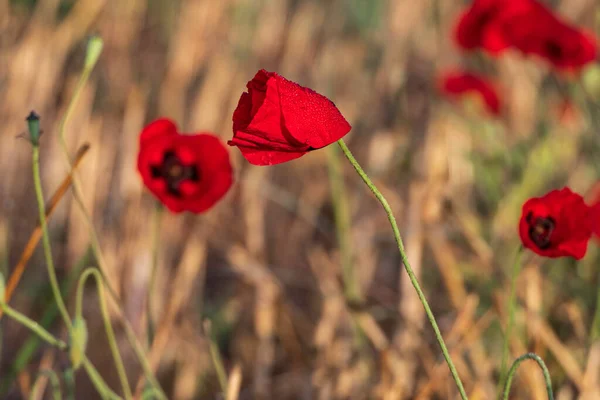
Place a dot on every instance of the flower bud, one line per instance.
(33, 124)
(78, 344)
(94, 48)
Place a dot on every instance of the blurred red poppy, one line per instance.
(473, 24)
(185, 172)
(557, 224)
(278, 120)
(532, 28)
(459, 84)
(526, 25)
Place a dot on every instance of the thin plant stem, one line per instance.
(46, 238)
(51, 205)
(99, 384)
(107, 324)
(156, 219)
(69, 381)
(54, 383)
(407, 267)
(512, 305)
(92, 56)
(31, 345)
(342, 222)
(216, 356)
(33, 326)
(513, 370)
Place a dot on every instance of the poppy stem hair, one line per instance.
(512, 305)
(513, 370)
(409, 270)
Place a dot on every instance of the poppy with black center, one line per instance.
(557, 224)
(540, 230)
(184, 172)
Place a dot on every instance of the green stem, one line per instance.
(54, 383)
(69, 380)
(107, 324)
(216, 356)
(33, 326)
(409, 270)
(98, 382)
(46, 238)
(342, 222)
(513, 370)
(96, 379)
(512, 305)
(94, 49)
(156, 218)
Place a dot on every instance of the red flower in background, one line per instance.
(526, 25)
(459, 84)
(473, 24)
(185, 172)
(560, 44)
(278, 120)
(557, 224)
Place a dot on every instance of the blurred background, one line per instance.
(264, 265)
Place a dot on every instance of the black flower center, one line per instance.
(555, 50)
(540, 230)
(174, 172)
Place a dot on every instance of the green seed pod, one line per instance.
(33, 125)
(94, 48)
(77, 346)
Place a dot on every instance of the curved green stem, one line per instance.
(409, 271)
(512, 305)
(513, 370)
(98, 382)
(94, 49)
(156, 218)
(54, 382)
(33, 326)
(46, 238)
(93, 374)
(107, 324)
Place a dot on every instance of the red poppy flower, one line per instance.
(473, 25)
(458, 84)
(557, 224)
(185, 172)
(278, 120)
(532, 28)
(527, 25)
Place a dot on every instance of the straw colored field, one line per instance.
(264, 265)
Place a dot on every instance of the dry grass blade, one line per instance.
(235, 383)
(34, 239)
(191, 263)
